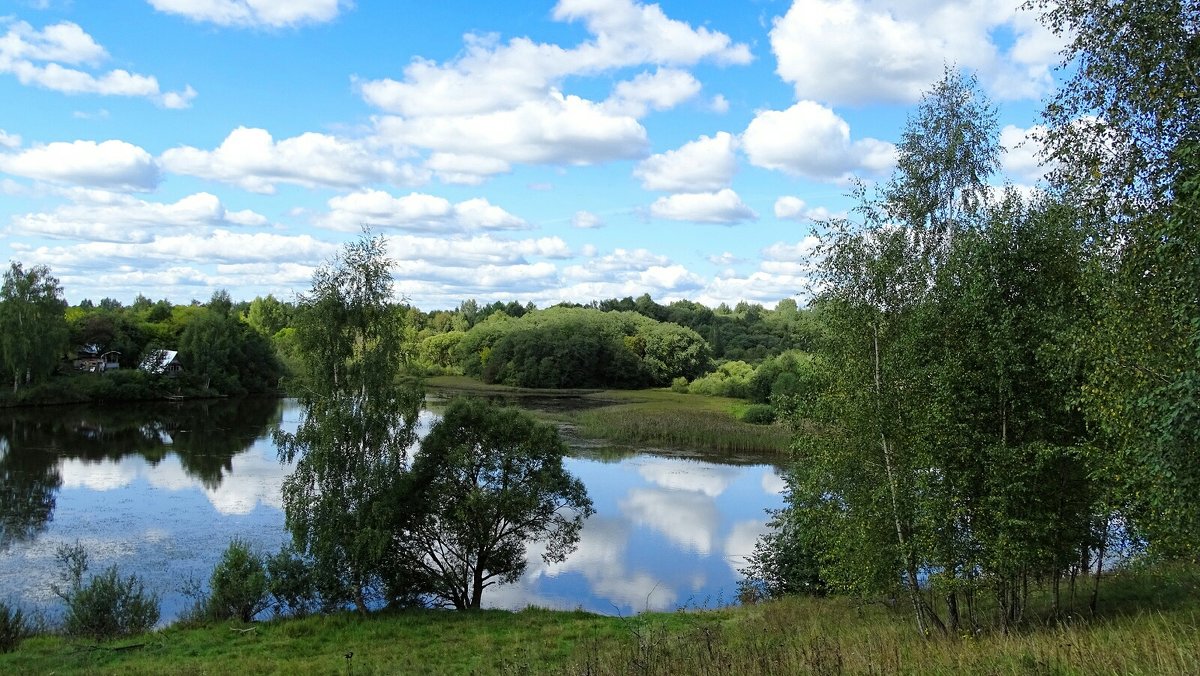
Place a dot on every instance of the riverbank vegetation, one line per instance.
(1146, 625)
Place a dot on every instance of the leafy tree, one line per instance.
(487, 482)
(33, 330)
(238, 586)
(352, 444)
(1124, 135)
(268, 316)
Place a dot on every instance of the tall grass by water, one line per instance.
(1149, 623)
(674, 420)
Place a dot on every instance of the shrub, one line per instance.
(238, 584)
(758, 414)
(108, 605)
(680, 385)
(290, 583)
(13, 628)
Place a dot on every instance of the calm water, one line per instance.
(160, 490)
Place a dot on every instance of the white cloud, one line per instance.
(723, 206)
(810, 140)
(630, 32)
(793, 208)
(416, 211)
(463, 252)
(267, 13)
(36, 57)
(8, 140)
(1021, 161)
(506, 101)
(586, 219)
(556, 129)
(465, 169)
(171, 251)
(706, 164)
(252, 160)
(110, 217)
(662, 90)
(863, 51)
(719, 104)
(800, 251)
(110, 164)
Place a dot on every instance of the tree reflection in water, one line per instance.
(204, 435)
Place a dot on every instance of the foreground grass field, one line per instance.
(1149, 624)
(659, 418)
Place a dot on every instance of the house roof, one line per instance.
(157, 361)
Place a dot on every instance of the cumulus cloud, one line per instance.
(506, 100)
(723, 206)
(810, 140)
(112, 217)
(864, 51)
(793, 208)
(112, 164)
(554, 129)
(662, 90)
(253, 13)
(586, 219)
(1022, 157)
(477, 250)
(36, 57)
(417, 212)
(251, 159)
(8, 140)
(706, 164)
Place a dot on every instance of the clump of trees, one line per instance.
(374, 528)
(1005, 387)
(581, 347)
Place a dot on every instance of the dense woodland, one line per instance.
(994, 391)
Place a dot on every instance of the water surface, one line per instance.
(159, 490)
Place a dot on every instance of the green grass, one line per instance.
(670, 419)
(654, 417)
(1150, 624)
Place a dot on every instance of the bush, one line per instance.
(290, 584)
(13, 628)
(680, 385)
(108, 605)
(238, 584)
(758, 414)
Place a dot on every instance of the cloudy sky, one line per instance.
(526, 150)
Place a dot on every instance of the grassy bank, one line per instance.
(659, 418)
(1150, 624)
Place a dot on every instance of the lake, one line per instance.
(160, 489)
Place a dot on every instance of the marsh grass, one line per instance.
(675, 420)
(655, 417)
(1149, 624)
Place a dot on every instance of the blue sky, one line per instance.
(536, 151)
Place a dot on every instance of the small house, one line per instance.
(163, 362)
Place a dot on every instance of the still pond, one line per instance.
(159, 490)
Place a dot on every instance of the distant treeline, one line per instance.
(235, 348)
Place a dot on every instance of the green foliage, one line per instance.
(290, 582)
(33, 328)
(351, 446)
(757, 414)
(487, 482)
(107, 606)
(731, 379)
(238, 587)
(679, 385)
(13, 627)
(580, 347)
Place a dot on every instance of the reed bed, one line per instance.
(668, 419)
